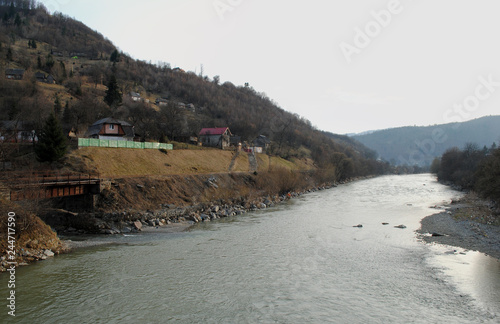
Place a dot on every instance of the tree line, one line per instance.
(471, 168)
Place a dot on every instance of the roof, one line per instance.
(15, 125)
(14, 71)
(111, 120)
(95, 128)
(214, 131)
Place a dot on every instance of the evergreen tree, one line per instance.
(115, 56)
(51, 144)
(9, 54)
(57, 107)
(113, 95)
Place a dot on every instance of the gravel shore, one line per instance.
(469, 223)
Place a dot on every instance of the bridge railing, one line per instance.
(22, 179)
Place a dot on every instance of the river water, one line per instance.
(299, 262)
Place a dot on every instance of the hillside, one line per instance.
(117, 163)
(77, 73)
(420, 145)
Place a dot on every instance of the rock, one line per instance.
(48, 253)
(140, 186)
(385, 223)
(126, 230)
(359, 225)
(137, 225)
(400, 226)
(437, 234)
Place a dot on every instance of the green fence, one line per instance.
(92, 142)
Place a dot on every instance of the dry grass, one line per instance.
(110, 162)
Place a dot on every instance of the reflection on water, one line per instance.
(474, 273)
(300, 262)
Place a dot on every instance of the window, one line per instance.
(112, 126)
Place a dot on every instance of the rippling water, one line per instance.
(300, 262)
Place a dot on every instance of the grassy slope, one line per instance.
(116, 163)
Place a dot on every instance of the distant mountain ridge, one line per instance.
(419, 145)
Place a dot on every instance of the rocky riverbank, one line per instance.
(469, 223)
(170, 218)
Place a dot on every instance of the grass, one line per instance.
(113, 162)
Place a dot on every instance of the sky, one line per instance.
(348, 66)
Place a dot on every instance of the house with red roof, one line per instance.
(215, 137)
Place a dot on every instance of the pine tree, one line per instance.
(113, 95)
(51, 144)
(58, 107)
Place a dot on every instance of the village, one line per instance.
(115, 133)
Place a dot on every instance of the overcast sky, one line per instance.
(348, 66)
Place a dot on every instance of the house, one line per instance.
(111, 129)
(135, 96)
(41, 77)
(191, 107)
(215, 137)
(178, 70)
(14, 131)
(14, 74)
(261, 144)
(161, 102)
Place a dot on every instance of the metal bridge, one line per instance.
(45, 185)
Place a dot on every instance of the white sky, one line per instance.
(428, 56)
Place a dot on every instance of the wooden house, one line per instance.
(111, 129)
(215, 137)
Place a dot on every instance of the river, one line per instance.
(299, 262)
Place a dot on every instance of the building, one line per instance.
(14, 74)
(111, 129)
(135, 96)
(17, 132)
(261, 144)
(41, 77)
(215, 137)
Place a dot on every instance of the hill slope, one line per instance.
(420, 145)
(86, 67)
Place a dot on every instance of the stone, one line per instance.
(385, 223)
(126, 230)
(48, 253)
(137, 225)
(359, 225)
(400, 226)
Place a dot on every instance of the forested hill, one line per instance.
(420, 145)
(93, 80)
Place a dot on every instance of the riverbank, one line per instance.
(469, 223)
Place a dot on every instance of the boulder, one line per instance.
(137, 225)
(400, 226)
(359, 225)
(48, 253)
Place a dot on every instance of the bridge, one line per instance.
(45, 185)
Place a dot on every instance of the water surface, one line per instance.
(300, 262)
